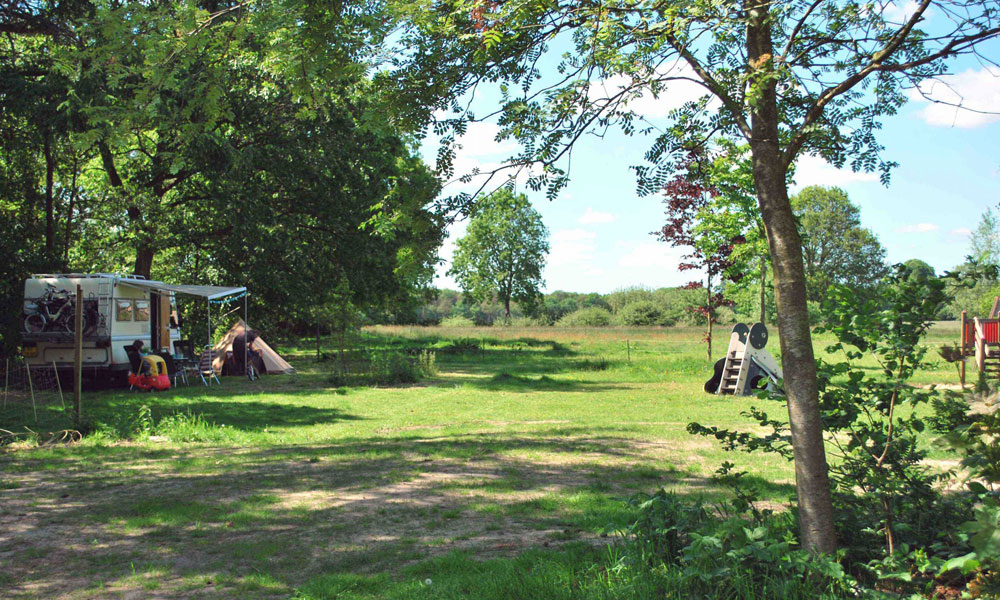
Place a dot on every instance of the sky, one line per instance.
(601, 230)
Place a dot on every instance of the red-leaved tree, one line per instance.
(685, 198)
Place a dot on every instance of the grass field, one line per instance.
(502, 476)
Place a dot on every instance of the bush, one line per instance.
(728, 550)
(643, 312)
(392, 368)
(586, 317)
(457, 321)
(520, 322)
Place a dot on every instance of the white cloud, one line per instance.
(652, 255)
(572, 247)
(962, 96)
(480, 140)
(673, 95)
(962, 231)
(900, 12)
(595, 217)
(918, 228)
(814, 170)
(447, 253)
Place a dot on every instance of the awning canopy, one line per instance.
(210, 292)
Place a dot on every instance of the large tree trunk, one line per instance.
(143, 260)
(812, 484)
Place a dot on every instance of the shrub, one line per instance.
(462, 346)
(730, 549)
(457, 321)
(593, 316)
(891, 516)
(643, 312)
(392, 368)
(520, 322)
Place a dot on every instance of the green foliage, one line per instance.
(171, 140)
(885, 496)
(593, 316)
(641, 313)
(836, 249)
(730, 549)
(457, 321)
(984, 245)
(503, 251)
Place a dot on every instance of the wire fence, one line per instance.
(26, 387)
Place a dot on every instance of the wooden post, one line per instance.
(965, 342)
(77, 357)
(628, 349)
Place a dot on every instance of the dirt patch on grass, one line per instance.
(141, 527)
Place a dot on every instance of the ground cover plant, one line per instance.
(506, 474)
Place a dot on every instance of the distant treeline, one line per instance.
(627, 307)
(638, 306)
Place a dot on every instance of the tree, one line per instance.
(208, 142)
(687, 198)
(835, 247)
(984, 245)
(917, 270)
(732, 214)
(791, 78)
(503, 252)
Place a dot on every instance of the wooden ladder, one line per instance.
(734, 372)
(991, 361)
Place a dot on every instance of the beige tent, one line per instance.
(272, 362)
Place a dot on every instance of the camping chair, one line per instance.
(134, 361)
(205, 368)
(172, 371)
(187, 364)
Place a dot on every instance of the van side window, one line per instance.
(142, 310)
(123, 310)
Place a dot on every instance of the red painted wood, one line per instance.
(991, 332)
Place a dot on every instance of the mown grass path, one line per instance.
(526, 441)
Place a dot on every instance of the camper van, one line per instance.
(117, 311)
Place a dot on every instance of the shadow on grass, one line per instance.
(240, 405)
(509, 382)
(226, 515)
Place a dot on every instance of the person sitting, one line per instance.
(141, 349)
(243, 349)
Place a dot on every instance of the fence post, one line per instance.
(78, 357)
(628, 349)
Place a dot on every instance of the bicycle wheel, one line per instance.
(34, 323)
(70, 322)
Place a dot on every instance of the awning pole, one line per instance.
(208, 305)
(246, 332)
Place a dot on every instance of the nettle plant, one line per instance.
(885, 496)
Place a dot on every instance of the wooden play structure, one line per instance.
(747, 366)
(981, 338)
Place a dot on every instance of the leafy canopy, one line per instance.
(503, 252)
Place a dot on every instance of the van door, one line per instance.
(159, 322)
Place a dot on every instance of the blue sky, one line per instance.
(948, 175)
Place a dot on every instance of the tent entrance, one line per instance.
(272, 361)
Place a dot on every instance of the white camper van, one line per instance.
(117, 310)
